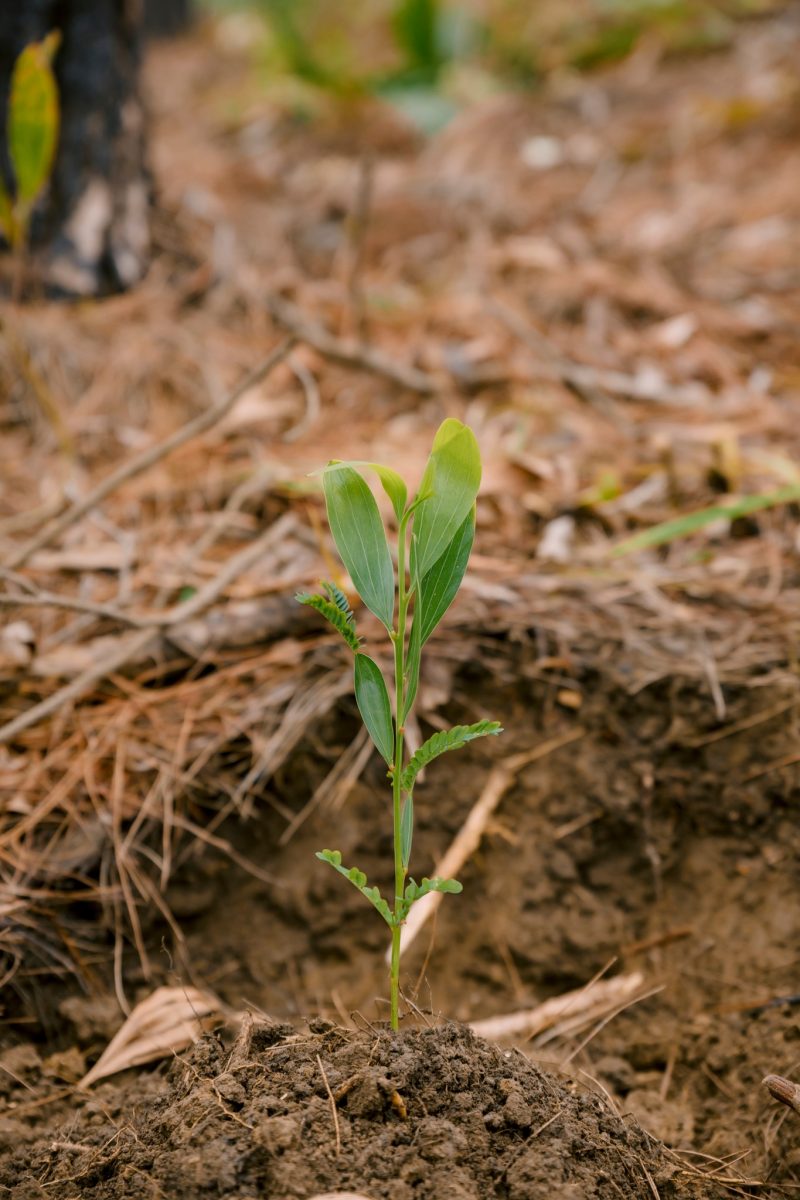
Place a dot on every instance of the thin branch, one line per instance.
(73, 604)
(348, 353)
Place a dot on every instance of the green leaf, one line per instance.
(391, 482)
(451, 481)
(406, 829)
(435, 594)
(359, 880)
(438, 588)
(33, 119)
(413, 660)
(372, 699)
(338, 597)
(360, 539)
(678, 527)
(415, 891)
(342, 620)
(440, 743)
(394, 487)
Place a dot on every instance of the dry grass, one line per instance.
(618, 329)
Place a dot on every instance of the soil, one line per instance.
(638, 846)
(427, 1112)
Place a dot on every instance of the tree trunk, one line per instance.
(90, 233)
(165, 18)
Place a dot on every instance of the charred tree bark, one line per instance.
(91, 230)
(165, 18)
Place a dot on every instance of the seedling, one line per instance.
(434, 539)
(33, 121)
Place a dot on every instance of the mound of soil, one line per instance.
(433, 1112)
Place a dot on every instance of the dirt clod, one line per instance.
(479, 1122)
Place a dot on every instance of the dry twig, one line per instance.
(349, 354)
(584, 1004)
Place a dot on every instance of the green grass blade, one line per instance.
(680, 527)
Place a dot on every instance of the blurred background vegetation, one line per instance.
(430, 56)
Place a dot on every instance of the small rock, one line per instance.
(276, 1134)
(67, 1065)
(516, 1111)
(437, 1138)
(229, 1089)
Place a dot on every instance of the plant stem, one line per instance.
(397, 770)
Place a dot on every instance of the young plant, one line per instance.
(33, 121)
(434, 539)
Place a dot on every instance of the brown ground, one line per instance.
(664, 838)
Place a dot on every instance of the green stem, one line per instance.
(397, 769)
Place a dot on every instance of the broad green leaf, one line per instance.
(435, 594)
(342, 620)
(439, 586)
(406, 830)
(440, 743)
(33, 119)
(678, 527)
(359, 880)
(415, 891)
(360, 539)
(451, 480)
(391, 482)
(372, 699)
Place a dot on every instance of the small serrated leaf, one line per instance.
(337, 597)
(334, 857)
(332, 611)
(359, 880)
(440, 743)
(450, 886)
(415, 891)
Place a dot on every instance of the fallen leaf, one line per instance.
(165, 1023)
